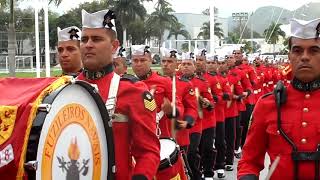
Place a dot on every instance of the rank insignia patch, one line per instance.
(149, 102)
(7, 120)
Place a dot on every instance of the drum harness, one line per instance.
(112, 101)
(297, 156)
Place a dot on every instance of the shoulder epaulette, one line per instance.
(266, 95)
(129, 77)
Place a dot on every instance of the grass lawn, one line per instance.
(57, 72)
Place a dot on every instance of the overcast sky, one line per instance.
(226, 7)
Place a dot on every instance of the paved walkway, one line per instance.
(233, 174)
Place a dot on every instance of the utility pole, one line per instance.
(241, 17)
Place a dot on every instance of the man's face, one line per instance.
(237, 55)
(245, 61)
(97, 48)
(119, 65)
(187, 67)
(168, 66)
(69, 56)
(231, 61)
(141, 64)
(201, 63)
(304, 56)
(223, 68)
(212, 66)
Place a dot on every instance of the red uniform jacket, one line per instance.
(298, 120)
(236, 89)
(185, 91)
(217, 92)
(137, 137)
(227, 95)
(251, 74)
(163, 90)
(208, 115)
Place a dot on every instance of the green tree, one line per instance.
(161, 20)
(205, 30)
(138, 32)
(126, 12)
(272, 34)
(176, 30)
(233, 38)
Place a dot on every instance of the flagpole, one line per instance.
(211, 27)
(46, 36)
(36, 24)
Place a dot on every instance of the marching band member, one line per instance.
(206, 113)
(69, 50)
(120, 62)
(284, 123)
(161, 87)
(130, 104)
(209, 123)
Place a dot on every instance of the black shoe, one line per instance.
(229, 168)
(221, 173)
(237, 155)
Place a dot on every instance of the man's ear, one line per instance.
(115, 45)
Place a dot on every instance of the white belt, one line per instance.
(159, 116)
(270, 82)
(120, 118)
(264, 85)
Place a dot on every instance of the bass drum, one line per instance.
(70, 137)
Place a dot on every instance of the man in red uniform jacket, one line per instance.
(224, 91)
(285, 123)
(208, 125)
(185, 91)
(161, 87)
(205, 110)
(133, 124)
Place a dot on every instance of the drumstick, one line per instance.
(174, 112)
(273, 167)
(197, 93)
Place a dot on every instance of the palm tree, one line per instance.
(272, 34)
(205, 31)
(176, 30)
(160, 20)
(128, 11)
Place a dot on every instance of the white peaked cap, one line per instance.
(139, 50)
(121, 52)
(210, 57)
(305, 29)
(221, 58)
(199, 53)
(69, 33)
(167, 52)
(187, 56)
(100, 19)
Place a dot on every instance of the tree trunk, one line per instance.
(12, 42)
(176, 36)
(274, 49)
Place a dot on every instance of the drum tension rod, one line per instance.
(31, 165)
(44, 107)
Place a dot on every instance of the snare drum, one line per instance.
(171, 164)
(70, 136)
(169, 153)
